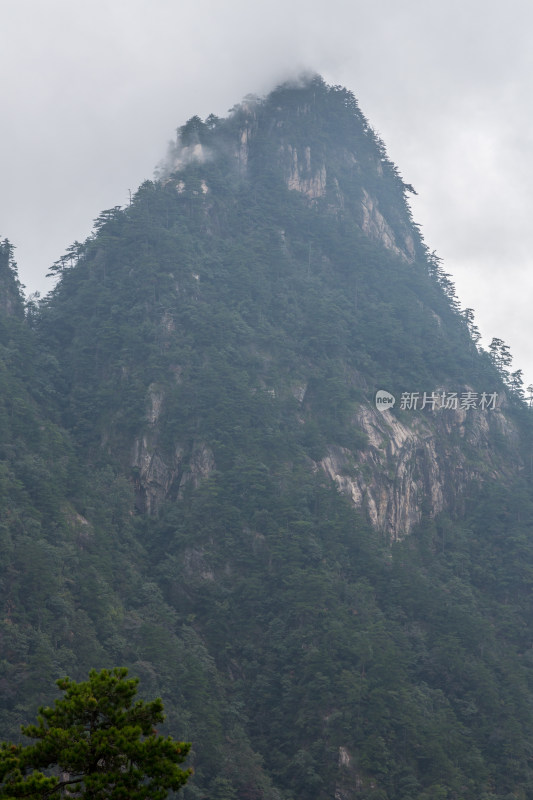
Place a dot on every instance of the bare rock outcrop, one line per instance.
(376, 227)
(425, 466)
(163, 472)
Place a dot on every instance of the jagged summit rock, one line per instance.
(322, 145)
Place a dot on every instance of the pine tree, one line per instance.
(97, 744)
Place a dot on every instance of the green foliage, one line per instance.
(203, 352)
(98, 743)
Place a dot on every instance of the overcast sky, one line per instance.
(90, 94)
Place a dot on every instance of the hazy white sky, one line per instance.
(90, 94)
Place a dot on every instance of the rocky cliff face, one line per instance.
(159, 476)
(422, 464)
(375, 225)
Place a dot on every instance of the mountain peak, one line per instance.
(250, 447)
(317, 141)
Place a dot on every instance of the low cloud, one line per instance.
(179, 156)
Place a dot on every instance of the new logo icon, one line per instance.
(384, 400)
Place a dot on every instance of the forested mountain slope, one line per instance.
(332, 600)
